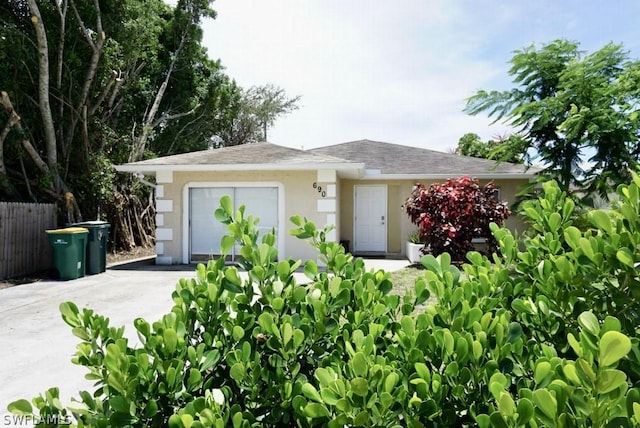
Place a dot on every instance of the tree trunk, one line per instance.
(132, 216)
(62, 7)
(43, 94)
(62, 11)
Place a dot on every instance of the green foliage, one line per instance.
(128, 80)
(141, 41)
(564, 270)
(414, 238)
(567, 104)
(503, 149)
(542, 334)
(258, 108)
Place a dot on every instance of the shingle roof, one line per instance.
(397, 159)
(256, 153)
(389, 159)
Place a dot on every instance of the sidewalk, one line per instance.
(37, 346)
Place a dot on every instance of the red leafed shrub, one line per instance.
(451, 214)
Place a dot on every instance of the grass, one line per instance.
(404, 279)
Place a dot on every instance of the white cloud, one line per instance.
(394, 71)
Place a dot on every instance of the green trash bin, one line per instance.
(69, 251)
(96, 254)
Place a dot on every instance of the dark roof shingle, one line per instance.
(255, 153)
(397, 159)
(389, 159)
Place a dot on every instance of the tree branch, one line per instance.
(85, 32)
(13, 119)
(140, 145)
(168, 117)
(179, 133)
(103, 93)
(5, 101)
(96, 47)
(26, 180)
(62, 6)
(119, 83)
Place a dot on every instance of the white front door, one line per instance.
(370, 223)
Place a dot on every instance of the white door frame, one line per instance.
(384, 203)
(186, 211)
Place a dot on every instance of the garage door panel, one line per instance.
(206, 232)
(260, 202)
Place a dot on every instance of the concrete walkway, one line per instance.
(36, 344)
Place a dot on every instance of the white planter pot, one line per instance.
(414, 253)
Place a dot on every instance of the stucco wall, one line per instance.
(399, 227)
(508, 191)
(300, 198)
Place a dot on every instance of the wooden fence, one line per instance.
(24, 246)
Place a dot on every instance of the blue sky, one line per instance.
(397, 71)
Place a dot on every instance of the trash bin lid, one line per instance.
(69, 230)
(91, 223)
(94, 224)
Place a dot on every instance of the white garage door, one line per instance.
(205, 232)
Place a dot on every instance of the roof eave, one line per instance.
(483, 176)
(151, 168)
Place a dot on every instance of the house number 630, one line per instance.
(319, 189)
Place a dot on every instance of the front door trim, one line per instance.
(383, 205)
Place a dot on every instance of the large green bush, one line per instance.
(543, 334)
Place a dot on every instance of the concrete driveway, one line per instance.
(37, 346)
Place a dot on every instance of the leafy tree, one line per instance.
(269, 102)
(503, 149)
(85, 85)
(570, 106)
(451, 214)
(470, 144)
(258, 109)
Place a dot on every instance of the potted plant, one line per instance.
(414, 248)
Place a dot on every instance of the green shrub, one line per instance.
(541, 334)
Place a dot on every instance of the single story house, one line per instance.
(360, 187)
